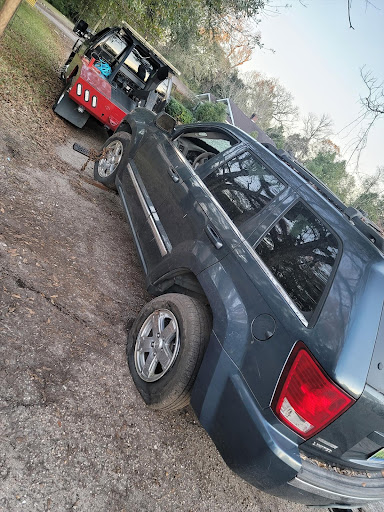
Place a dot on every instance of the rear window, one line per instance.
(301, 252)
(243, 186)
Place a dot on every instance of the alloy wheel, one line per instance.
(113, 155)
(157, 345)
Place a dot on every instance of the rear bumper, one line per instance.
(327, 487)
(96, 103)
(252, 443)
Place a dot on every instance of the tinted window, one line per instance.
(243, 186)
(300, 251)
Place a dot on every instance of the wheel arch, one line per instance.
(181, 280)
(124, 126)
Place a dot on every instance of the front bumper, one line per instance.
(252, 443)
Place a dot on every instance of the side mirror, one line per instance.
(80, 28)
(162, 73)
(165, 122)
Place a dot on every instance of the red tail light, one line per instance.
(306, 399)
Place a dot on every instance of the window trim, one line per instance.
(316, 312)
(230, 222)
(204, 127)
(241, 150)
(213, 162)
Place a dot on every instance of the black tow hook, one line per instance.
(80, 149)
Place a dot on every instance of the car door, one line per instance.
(243, 192)
(177, 211)
(176, 231)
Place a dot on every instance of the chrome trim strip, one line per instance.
(327, 443)
(319, 491)
(121, 193)
(149, 216)
(279, 287)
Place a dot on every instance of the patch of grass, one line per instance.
(30, 55)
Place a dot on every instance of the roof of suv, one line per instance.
(357, 217)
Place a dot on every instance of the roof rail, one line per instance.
(357, 217)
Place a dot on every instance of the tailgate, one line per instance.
(356, 438)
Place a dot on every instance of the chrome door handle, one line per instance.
(173, 174)
(214, 237)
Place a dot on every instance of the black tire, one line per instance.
(101, 173)
(171, 391)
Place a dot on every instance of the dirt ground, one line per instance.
(75, 435)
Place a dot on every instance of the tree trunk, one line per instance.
(6, 13)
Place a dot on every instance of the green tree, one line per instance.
(163, 20)
(182, 114)
(327, 166)
(370, 197)
(277, 135)
(211, 112)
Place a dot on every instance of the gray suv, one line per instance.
(268, 314)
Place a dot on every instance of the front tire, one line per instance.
(165, 348)
(114, 157)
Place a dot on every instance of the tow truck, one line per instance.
(109, 74)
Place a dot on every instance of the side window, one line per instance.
(300, 252)
(243, 186)
(198, 147)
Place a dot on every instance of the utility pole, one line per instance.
(6, 13)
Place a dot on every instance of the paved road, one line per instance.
(67, 32)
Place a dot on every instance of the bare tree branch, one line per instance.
(317, 128)
(372, 109)
(349, 14)
(374, 101)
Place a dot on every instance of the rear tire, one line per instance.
(116, 156)
(165, 348)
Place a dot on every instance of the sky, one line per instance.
(317, 57)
